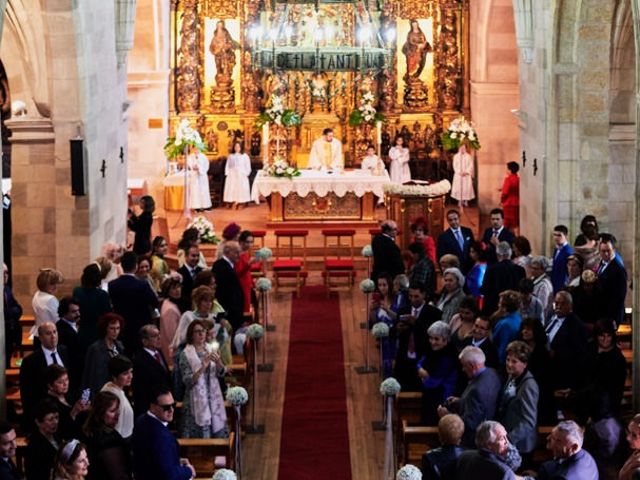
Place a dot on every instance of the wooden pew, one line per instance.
(202, 453)
(21, 453)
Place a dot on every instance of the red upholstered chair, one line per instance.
(258, 270)
(288, 243)
(339, 271)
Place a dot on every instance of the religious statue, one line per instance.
(211, 139)
(256, 141)
(429, 138)
(326, 152)
(385, 143)
(250, 85)
(415, 50)
(223, 47)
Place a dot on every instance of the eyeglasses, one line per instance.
(199, 330)
(168, 407)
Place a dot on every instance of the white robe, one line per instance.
(462, 187)
(317, 154)
(372, 163)
(237, 171)
(199, 196)
(399, 170)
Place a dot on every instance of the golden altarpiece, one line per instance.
(230, 57)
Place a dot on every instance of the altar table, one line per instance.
(314, 195)
(174, 191)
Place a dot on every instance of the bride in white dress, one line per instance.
(237, 171)
(198, 165)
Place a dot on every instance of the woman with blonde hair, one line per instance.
(72, 462)
(631, 468)
(44, 303)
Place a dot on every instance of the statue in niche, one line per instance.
(417, 137)
(405, 134)
(223, 47)
(250, 86)
(255, 144)
(385, 143)
(211, 138)
(429, 138)
(415, 49)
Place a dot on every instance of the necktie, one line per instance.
(460, 239)
(495, 232)
(411, 346)
(193, 273)
(159, 358)
(603, 265)
(54, 359)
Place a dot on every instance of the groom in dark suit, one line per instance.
(228, 289)
(455, 240)
(156, 454)
(495, 234)
(386, 254)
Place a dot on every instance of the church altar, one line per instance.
(317, 195)
(174, 190)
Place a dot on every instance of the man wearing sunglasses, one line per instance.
(155, 450)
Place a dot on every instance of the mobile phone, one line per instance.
(377, 296)
(86, 395)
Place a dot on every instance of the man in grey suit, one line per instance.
(479, 400)
(570, 461)
(488, 462)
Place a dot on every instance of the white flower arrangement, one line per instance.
(409, 472)
(380, 330)
(279, 115)
(390, 387)
(185, 136)
(367, 286)
(460, 131)
(224, 474)
(255, 331)
(440, 188)
(237, 396)
(366, 112)
(205, 229)
(263, 284)
(264, 253)
(281, 168)
(367, 251)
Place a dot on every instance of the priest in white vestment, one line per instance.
(326, 152)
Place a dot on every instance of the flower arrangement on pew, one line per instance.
(460, 132)
(263, 284)
(367, 286)
(280, 168)
(380, 330)
(185, 136)
(409, 472)
(205, 229)
(224, 474)
(264, 254)
(367, 251)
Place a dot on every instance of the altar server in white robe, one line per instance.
(326, 152)
(399, 169)
(372, 162)
(198, 165)
(463, 171)
(237, 171)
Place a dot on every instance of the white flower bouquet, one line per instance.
(224, 474)
(237, 396)
(422, 190)
(460, 131)
(380, 330)
(185, 136)
(263, 284)
(390, 387)
(276, 113)
(264, 253)
(367, 286)
(255, 331)
(409, 472)
(366, 112)
(280, 168)
(367, 251)
(205, 229)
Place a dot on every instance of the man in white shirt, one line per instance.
(326, 152)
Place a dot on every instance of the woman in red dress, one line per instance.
(420, 232)
(243, 268)
(510, 197)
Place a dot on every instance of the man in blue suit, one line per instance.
(155, 450)
(455, 240)
(570, 461)
(134, 300)
(560, 254)
(496, 234)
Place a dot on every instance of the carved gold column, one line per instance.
(388, 84)
(449, 79)
(250, 77)
(188, 61)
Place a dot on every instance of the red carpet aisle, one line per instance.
(315, 438)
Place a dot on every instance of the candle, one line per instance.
(379, 135)
(265, 144)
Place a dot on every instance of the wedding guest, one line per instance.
(113, 252)
(237, 171)
(204, 413)
(422, 269)
(72, 462)
(121, 373)
(542, 286)
(206, 278)
(440, 463)
(455, 240)
(45, 303)
(386, 253)
(150, 369)
(198, 166)
(570, 460)
(522, 253)
(70, 416)
(612, 280)
(575, 266)
(452, 293)
(190, 238)
(96, 367)
(587, 246)
(68, 335)
(510, 196)
(141, 225)
(93, 302)
(480, 337)
(400, 292)
(530, 305)
(562, 250)
(631, 468)
(159, 267)
(495, 234)
(583, 238)
(244, 267)
(108, 452)
(8, 447)
(43, 443)
(399, 170)
(507, 326)
(105, 265)
(420, 230)
(585, 299)
(170, 313)
(382, 310)
(462, 321)
(475, 276)
(229, 290)
(12, 314)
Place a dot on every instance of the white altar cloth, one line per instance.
(321, 183)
